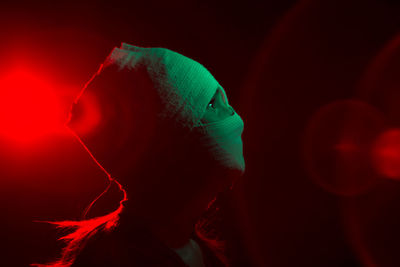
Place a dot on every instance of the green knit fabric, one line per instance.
(184, 85)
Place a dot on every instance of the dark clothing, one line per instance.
(135, 247)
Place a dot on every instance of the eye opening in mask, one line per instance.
(213, 99)
(211, 104)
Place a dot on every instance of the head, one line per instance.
(166, 128)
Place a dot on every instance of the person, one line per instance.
(170, 142)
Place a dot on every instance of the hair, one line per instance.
(83, 230)
(207, 230)
(80, 231)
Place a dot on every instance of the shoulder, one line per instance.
(209, 255)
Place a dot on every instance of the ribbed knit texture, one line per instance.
(184, 85)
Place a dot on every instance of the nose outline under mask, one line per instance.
(223, 139)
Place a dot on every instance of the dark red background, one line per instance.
(279, 61)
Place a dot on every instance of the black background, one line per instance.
(279, 61)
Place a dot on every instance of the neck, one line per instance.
(171, 215)
(176, 230)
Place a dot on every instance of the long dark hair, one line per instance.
(206, 229)
(80, 231)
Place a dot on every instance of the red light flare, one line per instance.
(337, 145)
(86, 115)
(29, 107)
(365, 216)
(386, 154)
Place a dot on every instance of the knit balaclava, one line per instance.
(183, 88)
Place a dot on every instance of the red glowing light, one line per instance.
(386, 154)
(84, 118)
(29, 108)
(337, 143)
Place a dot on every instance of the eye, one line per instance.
(211, 104)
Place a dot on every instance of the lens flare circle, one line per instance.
(85, 117)
(337, 144)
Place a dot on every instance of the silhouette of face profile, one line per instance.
(138, 89)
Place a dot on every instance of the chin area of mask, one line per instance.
(224, 141)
